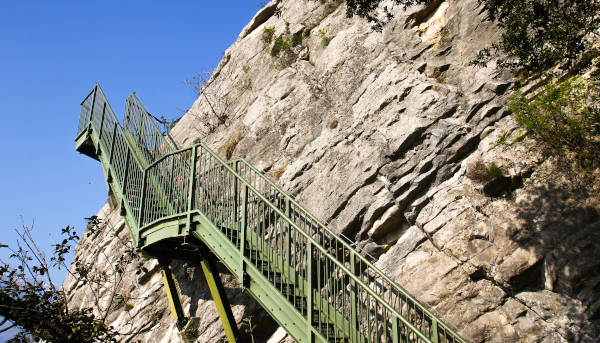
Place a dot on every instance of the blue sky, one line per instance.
(51, 55)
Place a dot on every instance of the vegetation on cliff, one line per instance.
(31, 301)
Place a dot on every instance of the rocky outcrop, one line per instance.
(404, 147)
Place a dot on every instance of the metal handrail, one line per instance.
(345, 241)
(369, 286)
(315, 243)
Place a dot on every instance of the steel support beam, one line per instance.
(218, 294)
(172, 290)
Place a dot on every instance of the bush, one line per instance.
(278, 172)
(565, 117)
(280, 44)
(479, 172)
(325, 39)
(231, 143)
(268, 33)
(538, 35)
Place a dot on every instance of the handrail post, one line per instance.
(353, 299)
(123, 210)
(395, 329)
(311, 283)
(190, 198)
(142, 201)
(112, 143)
(101, 125)
(92, 108)
(235, 201)
(243, 224)
(287, 232)
(435, 337)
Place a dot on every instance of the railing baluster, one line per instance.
(311, 285)
(142, 203)
(190, 199)
(92, 108)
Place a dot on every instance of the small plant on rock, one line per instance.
(278, 172)
(325, 39)
(479, 172)
(268, 33)
(231, 143)
(281, 44)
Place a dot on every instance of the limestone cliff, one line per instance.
(389, 137)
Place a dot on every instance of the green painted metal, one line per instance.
(176, 201)
(173, 294)
(218, 293)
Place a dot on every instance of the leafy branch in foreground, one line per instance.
(31, 301)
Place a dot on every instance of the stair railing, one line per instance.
(340, 283)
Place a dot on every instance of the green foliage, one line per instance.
(30, 300)
(540, 34)
(280, 44)
(297, 38)
(324, 38)
(268, 33)
(486, 133)
(537, 35)
(494, 170)
(565, 117)
(502, 138)
(367, 9)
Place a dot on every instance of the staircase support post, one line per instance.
(172, 291)
(218, 294)
(125, 179)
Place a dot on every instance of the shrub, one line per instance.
(324, 38)
(479, 172)
(268, 33)
(565, 117)
(536, 35)
(297, 38)
(280, 44)
(278, 172)
(231, 143)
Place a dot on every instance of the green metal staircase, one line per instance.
(190, 204)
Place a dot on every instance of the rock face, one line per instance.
(402, 146)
